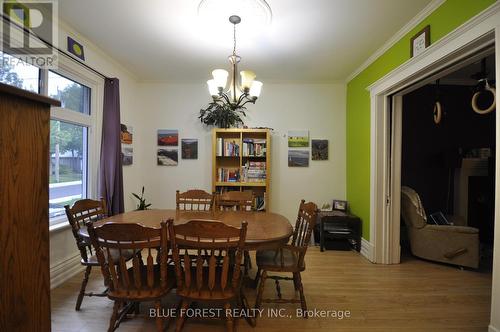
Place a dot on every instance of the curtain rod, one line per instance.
(26, 30)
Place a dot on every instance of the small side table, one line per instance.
(334, 225)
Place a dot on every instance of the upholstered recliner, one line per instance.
(457, 245)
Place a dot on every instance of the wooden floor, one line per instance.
(413, 296)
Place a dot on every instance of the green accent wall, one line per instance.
(450, 15)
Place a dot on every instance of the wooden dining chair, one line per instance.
(145, 279)
(235, 200)
(289, 258)
(238, 201)
(82, 212)
(194, 200)
(212, 278)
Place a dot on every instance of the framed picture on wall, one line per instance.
(298, 138)
(420, 41)
(319, 149)
(127, 155)
(298, 158)
(189, 148)
(167, 157)
(168, 137)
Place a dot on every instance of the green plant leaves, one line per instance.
(142, 201)
(222, 116)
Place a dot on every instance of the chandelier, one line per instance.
(243, 89)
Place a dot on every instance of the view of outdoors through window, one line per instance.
(67, 165)
(17, 73)
(68, 145)
(73, 96)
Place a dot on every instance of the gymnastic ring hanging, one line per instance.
(438, 112)
(491, 108)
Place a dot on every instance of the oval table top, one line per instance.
(265, 230)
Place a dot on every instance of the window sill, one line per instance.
(59, 225)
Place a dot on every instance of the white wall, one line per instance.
(320, 108)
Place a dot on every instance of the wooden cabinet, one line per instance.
(241, 160)
(24, 203)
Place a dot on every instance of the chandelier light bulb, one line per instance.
(256, 89)
(212, 87)
(220, 78)
(247, 78)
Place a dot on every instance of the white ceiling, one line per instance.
(307, 40)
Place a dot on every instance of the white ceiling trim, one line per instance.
(432, 6)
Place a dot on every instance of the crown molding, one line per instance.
(451, 36)
(265, 81)
(432, 6)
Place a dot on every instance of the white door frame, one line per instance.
(458, 46)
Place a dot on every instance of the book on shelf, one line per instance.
(227, 147)
(254, 147)
(253, 171)
(259, 203)
(228, 175)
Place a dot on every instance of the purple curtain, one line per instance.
(110, 168)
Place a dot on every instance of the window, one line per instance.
(73, 96)
(69, 143)
(68, 166)
(17, 73)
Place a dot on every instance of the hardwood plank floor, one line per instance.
(415, 296)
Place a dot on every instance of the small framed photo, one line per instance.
(339, 205)
(420, 41)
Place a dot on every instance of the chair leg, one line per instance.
(229, 318)
(114, 316)
(295, 282)
(301, 291)
(137, 308)
(159, 318)
(247, 262)
(258, 300)
(82, 288)
(182, 316)
(257, 277)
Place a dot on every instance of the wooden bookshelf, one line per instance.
(240, 158)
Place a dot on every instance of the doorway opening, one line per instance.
(447, 165)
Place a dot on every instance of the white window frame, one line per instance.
(93, 122)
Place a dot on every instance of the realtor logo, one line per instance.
(30, 31)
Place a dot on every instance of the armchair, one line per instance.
(458, 245)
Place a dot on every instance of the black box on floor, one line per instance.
(340, 244)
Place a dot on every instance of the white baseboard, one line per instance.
(367, 250)
(64, 270)
(491, 328)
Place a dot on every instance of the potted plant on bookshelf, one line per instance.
(142, 205)
(222, 115)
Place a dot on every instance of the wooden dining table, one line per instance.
(265, 230)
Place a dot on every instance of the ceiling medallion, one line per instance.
(255, 12)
